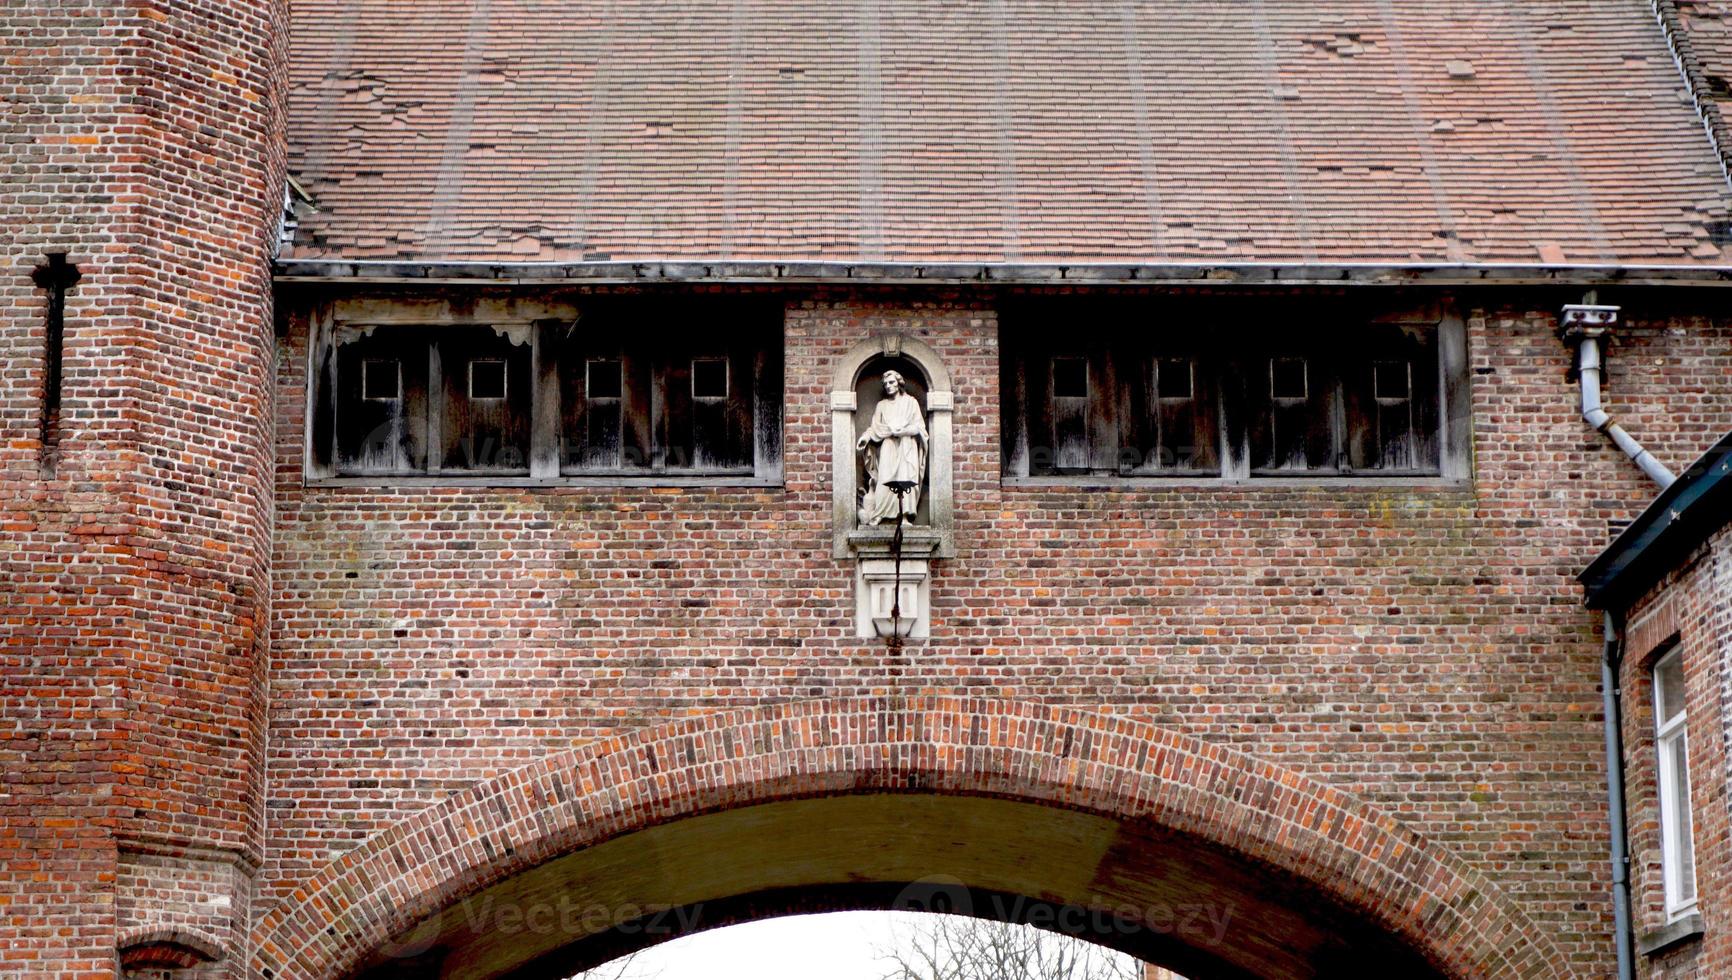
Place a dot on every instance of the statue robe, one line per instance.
(896, 453)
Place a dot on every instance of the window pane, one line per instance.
(1288, 378)
(1669, 687)
(1072, 447)
(669, 390)
(487, 379)
(603, 380)
(1186, 387)
(1678, 822)
(381, 380)
(1389, 397)
(1173, 377)
(704, 420)
(710, 377)
(1392, 380)
(1293, 428)
(1070, 377)
(1171, 426)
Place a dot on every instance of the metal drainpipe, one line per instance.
(1610, 691)
(1584, 325)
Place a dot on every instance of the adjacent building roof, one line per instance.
(1680, 520)
(1280, 132)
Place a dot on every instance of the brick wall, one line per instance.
(1421, 647)
(143, 139)
(1691, 612)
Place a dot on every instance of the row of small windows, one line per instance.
(679, 392)
(382, 379)
(1252, 401)
(1174, 379)
(628, 392)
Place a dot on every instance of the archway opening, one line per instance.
(1161, 896)
(874, 945)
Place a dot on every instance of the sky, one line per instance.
(836, 946)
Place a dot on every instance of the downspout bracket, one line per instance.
(1581, 321)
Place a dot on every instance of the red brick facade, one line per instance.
(904, 744)
(1421, 648)
(144, 140)
(256, 726)
(1690, 612)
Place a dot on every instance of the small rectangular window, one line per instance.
(381, 380)
(1070, 377)
(487, 380)
(710, 377)
(1173, 378)
(602, 379)
(1677, 841)
(1289, 379)
(1392, 381)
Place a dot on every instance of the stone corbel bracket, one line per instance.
(885, 587)
(940, 406)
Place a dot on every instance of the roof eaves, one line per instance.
(392, 271)
(1684, 516)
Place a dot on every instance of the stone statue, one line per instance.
(895, 453)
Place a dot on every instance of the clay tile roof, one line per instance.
(1140, 131)
(1701, 31)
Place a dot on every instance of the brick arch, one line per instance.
(1426, 897)
(167, 948)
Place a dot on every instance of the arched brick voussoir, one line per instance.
(1107, 766)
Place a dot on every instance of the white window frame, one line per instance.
(1667, 733)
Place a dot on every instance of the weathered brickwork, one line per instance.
(144, 140)
(902, 744)
(1422, 648)
(1690, 612)
(191, 899)
(266, 723)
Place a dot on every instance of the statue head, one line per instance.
(892, 383)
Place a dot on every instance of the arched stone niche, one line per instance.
(892, 572)
(853, 395)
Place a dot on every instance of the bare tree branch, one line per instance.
(950, 947)
(620, 969)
